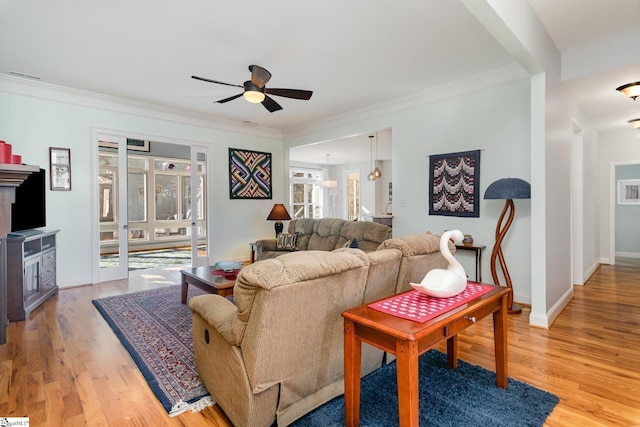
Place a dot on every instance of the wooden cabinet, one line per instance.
(31, 271)
(11, 176)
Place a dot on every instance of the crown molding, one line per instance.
(494, 77)
(48, 91)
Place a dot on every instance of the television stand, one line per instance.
(24, 233)
(31, 272)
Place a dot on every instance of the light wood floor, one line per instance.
(65, 367)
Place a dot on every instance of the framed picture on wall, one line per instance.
(629, 192)
(60, 162)
(454, 184)
(249, 174)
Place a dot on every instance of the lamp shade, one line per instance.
(328, 183)
(508, 188)
(278, 213)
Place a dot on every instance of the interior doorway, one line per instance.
(625, 210)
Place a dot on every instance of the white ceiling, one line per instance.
(353, 54)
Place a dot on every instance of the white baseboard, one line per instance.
(628, 254)
(545, 321)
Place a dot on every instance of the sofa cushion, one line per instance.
(287, 242)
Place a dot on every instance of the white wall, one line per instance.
(495, 120)
(34, 124)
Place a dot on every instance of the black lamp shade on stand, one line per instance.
(506, 189)
(278, 214)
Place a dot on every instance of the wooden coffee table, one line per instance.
(407, 340)
(201, 277)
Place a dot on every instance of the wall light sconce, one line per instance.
(635, 123)
(632, 90)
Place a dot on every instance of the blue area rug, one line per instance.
(155, 328)
(467, 397)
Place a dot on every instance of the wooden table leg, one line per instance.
(452, 352)
(407, 372)
(352, 362)
(184, 290)
(500, 343)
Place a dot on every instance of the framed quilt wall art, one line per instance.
(249, 174)
(454, 184)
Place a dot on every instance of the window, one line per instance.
(306, 194)
(353, 195)
(159, 199)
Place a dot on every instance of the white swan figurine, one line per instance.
(440, 282)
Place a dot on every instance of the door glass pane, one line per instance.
(166, 197)
(137, 192)
(185, 207)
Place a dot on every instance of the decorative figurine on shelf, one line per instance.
(468, 240)
(440, 282)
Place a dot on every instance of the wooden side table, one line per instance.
(478, 251)
(407, 340)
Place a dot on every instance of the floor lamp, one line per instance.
(506, 189)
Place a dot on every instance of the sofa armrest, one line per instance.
(217, 311)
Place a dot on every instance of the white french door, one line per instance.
(111, 205)
(198, 207)
(145, 200)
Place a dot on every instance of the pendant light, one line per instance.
(328, 183)
(372, 175)
(376, 171)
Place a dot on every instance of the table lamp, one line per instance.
(278, 214)
(507, 189)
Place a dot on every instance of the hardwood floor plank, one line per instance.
(64, 366)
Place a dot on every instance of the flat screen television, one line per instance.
(29, 209)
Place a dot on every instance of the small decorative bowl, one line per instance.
(227, 266)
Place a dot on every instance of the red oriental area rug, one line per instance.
(155, 328)
(419, 307)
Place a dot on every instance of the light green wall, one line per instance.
(32, 125)
(494, 120)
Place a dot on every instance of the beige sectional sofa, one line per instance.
(277, 353)
(327, 234)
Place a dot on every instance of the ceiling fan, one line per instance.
(256, 92)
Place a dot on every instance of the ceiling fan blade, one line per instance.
(214, 81)
(270, 104)
(259, 75)
(290, 93)
(231, 98)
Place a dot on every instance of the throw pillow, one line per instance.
(354, 244)
(287, 242)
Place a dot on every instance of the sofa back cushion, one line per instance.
(288, 323)
(368, 234)
(420, 254)
(326, 234)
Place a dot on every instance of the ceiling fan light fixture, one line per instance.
(632, 90)
(253, 96)
(635, 123)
